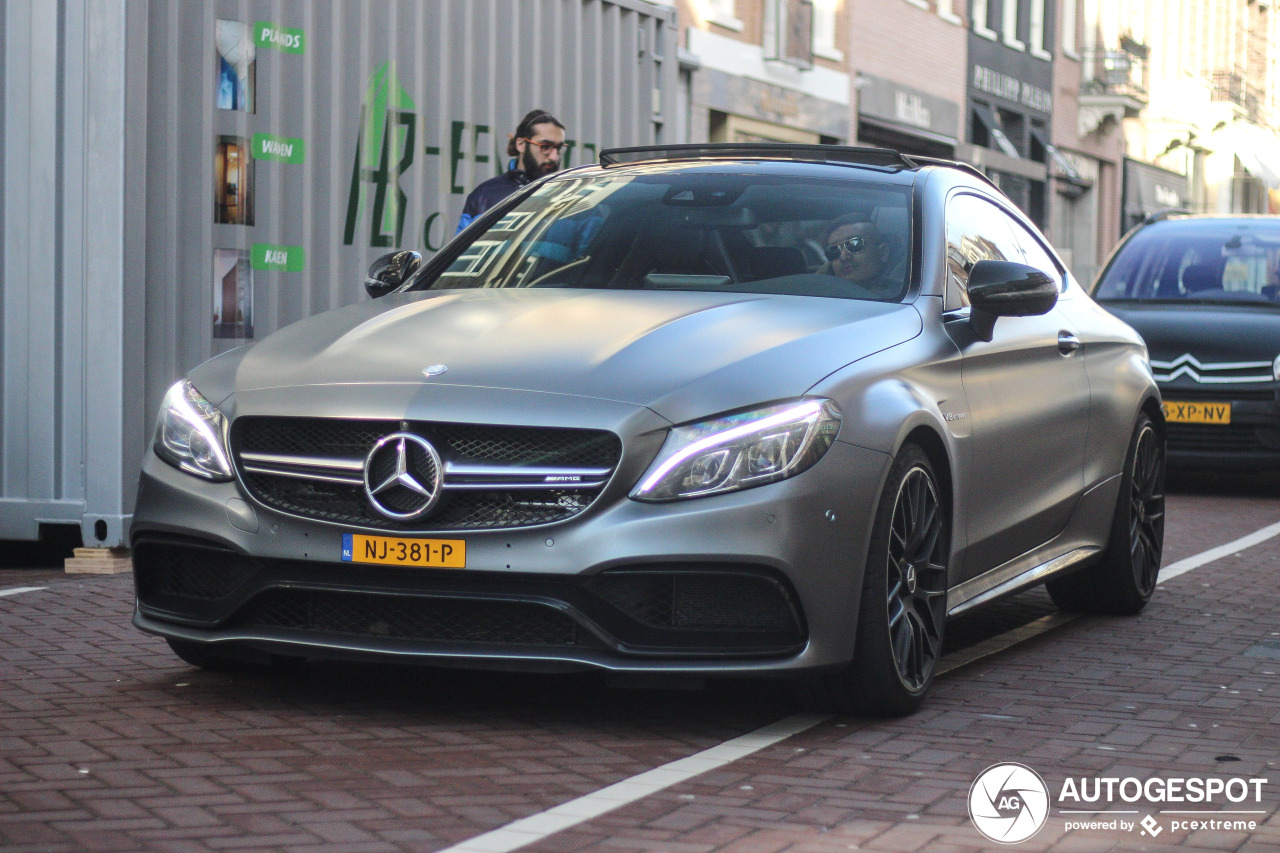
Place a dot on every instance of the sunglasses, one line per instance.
(546, 146)
(852, 246)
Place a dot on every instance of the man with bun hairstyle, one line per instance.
(536, 146)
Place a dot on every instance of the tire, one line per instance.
(1123, 580)
(231, 657)
(903, 612)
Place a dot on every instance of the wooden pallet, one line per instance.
(99, 561)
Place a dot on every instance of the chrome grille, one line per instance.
(1217, 373)
(495, 477)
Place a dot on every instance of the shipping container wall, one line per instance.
(72, 147)
(239, 165)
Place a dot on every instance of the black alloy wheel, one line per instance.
(1146, 510)
(1123, 579)
(916, 579)
(903, 608)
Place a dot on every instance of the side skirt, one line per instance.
(1010, 578)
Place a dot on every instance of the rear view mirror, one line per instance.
(1007, 289)
(391, 271)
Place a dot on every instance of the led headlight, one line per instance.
(189, 435)
(741, 450)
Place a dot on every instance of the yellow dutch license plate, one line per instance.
(396, 551)
(1197, 413)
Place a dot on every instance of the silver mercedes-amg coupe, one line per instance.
(704, 410)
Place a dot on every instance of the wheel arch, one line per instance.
(928, 440)
(1152, 408)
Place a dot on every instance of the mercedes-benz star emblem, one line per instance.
(402, 476)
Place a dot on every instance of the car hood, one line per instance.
(1212, 334)
(681, 354)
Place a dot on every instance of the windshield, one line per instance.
(1206, 261)
(697, 228)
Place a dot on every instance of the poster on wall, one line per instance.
(232, 181)
(232, 294)
(237, 66)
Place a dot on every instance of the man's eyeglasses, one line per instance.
(546, 146)
(852, 246)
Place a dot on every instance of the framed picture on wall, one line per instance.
(232, 294)
(232, 181)
(237, 66)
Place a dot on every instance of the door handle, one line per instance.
(1067, 343)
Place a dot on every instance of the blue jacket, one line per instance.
(489, 193)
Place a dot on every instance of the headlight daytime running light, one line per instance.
(740, 451)
(189, 434)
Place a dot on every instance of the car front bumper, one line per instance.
(757, 581)
(1250, 441)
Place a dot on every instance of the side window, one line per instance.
(977, 230)
(1038, 256)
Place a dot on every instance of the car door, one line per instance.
(1028, 396)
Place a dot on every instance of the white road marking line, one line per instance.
(537, 827)
(1183, 566)
(16, 590)
(1053, 620)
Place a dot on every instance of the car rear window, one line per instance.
(697, 228)
(1228, 261)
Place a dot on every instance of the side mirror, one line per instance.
(389, 272)
(1007, 289)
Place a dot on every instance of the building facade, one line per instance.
(765, 70)
(918, 106)
(1214, 99)
(1099, 81)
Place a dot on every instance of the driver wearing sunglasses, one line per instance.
(856, 252)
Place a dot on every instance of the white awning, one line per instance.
(1257, 149)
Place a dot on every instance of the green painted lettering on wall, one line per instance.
(264, 256)
(384, 151)
(282, 148)
(267, 34)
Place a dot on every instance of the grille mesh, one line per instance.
(197, 574)
(1214, 395)
(505, 445)
(435, 620)
(481, 509)
(463, 510)
(698, 601)
(1225, 438)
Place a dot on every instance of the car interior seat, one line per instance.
(1198, 278)
(1167, 285)
(774, 261)
(679, 251)
(893, 224)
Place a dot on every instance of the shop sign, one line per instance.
(902, 105)
(1012, 89)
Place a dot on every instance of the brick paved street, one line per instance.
(108, 742)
